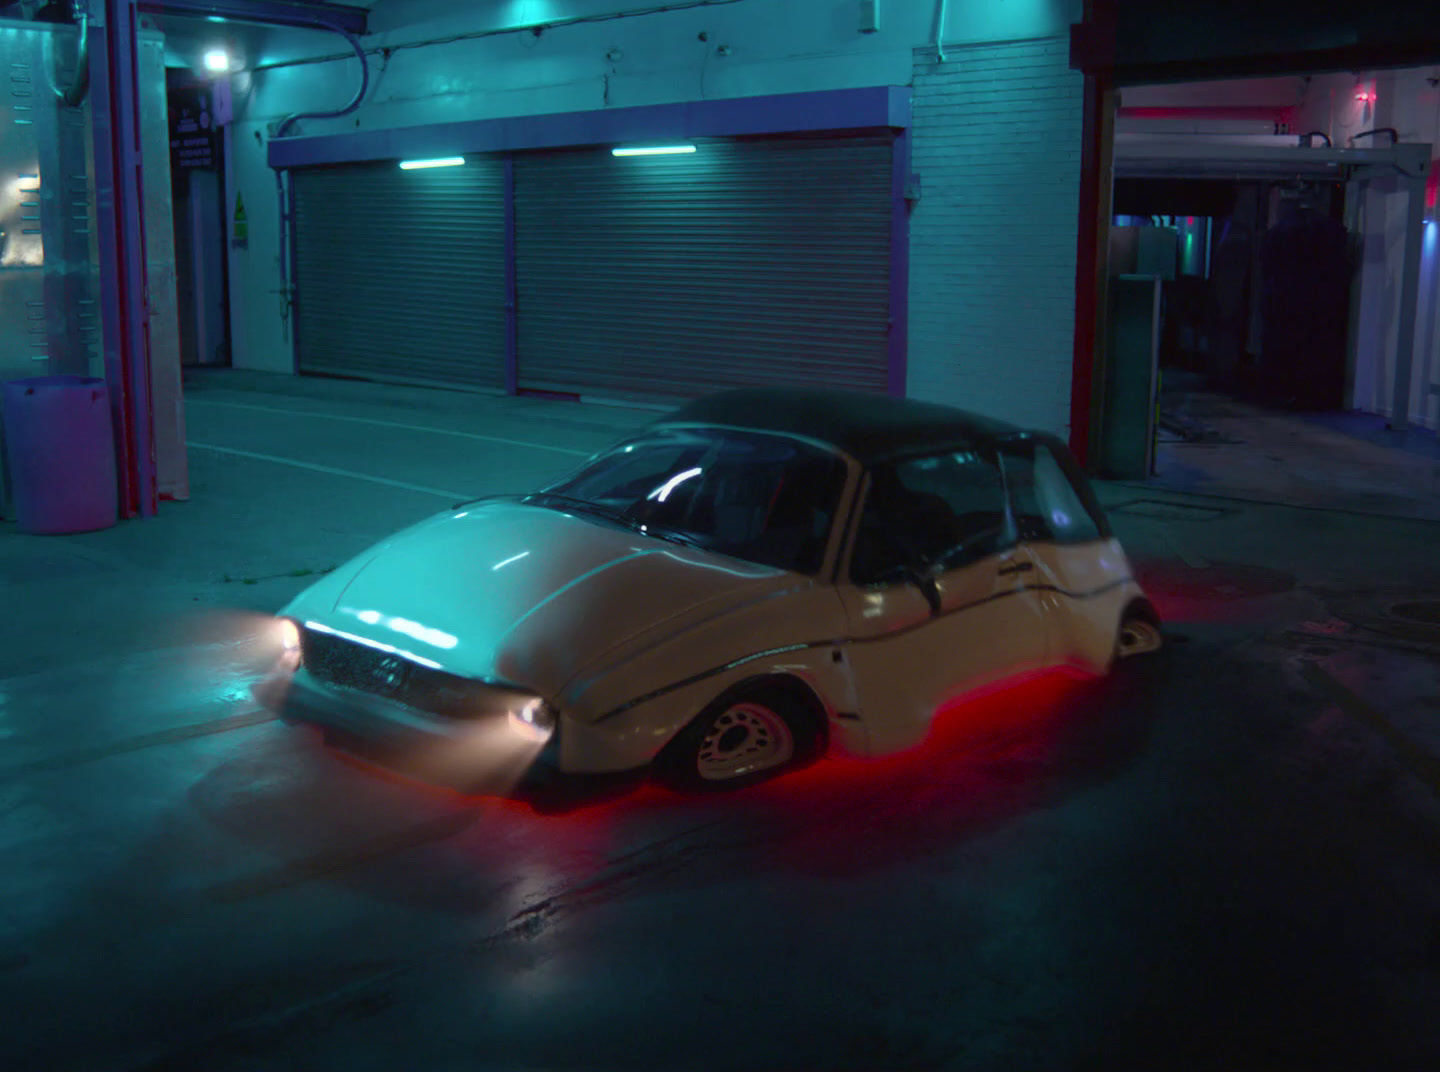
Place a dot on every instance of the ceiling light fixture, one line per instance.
(655, 150)
(439, 161)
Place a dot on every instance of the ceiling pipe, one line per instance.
(266, 12)
(287, 295)
(73, 94)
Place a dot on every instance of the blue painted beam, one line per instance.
(872, 107)
(266, 12)
(897, 360)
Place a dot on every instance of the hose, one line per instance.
(72, 95)
(285, 296)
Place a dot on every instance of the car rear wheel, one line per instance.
(744, 737)
(1139, 635)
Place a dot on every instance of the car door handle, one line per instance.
(1016, 567)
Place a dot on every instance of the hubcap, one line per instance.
(1138, 637)
(748, 737)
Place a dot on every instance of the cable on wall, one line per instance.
(535, 29)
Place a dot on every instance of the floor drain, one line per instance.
(1424, 611)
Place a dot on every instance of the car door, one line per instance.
(1081, 571)
(936, 591)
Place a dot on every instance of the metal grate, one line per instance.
(346, 664)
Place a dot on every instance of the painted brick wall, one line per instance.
(992, 254)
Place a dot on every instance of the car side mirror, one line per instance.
(927, 585)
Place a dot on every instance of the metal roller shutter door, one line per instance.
(763, 262)
(400, 275)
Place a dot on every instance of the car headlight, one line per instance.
(289, 637)
(534, 720)
(287, 632)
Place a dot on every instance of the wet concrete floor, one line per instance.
(1228, 858)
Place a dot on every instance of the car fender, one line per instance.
(621, 714)
(1090, 585)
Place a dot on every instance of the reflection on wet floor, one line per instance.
(1334, 461)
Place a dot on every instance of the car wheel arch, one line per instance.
(1138, 611)
(798, 697)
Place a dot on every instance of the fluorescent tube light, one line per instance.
(657, 150)
(439, 161)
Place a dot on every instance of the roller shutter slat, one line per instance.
(400, 275)
(749, 262)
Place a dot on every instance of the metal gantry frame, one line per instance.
(1148, 157)
(120, 211)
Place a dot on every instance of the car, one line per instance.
(759, 578)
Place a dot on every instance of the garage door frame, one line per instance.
(1117, 45)
(821, 112)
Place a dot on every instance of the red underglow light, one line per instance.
(993, 757)
(1211, 592)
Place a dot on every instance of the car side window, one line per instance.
(939, 511)
(1047, 505)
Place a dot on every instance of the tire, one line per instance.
(1139, 633)
(749, 734)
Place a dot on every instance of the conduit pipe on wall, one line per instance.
(281, 215)
(940, 30)
(73, 94)
(535, 28)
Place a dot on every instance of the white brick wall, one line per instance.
(997, 134)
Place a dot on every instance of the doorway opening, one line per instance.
(1276, 216)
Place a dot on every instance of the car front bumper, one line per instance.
(473, 755)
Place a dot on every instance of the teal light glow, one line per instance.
(655, 150)
(439, 161)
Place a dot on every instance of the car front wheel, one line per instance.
(744, 737)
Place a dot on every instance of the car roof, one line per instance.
(868, 427)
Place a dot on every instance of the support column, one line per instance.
(901, 198)
(1092, 256)
(1092, 50)
(1415, 165)
(120, 215)
(512, 310)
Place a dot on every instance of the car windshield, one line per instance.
(763, 498)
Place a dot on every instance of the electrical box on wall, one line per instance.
(869, 16)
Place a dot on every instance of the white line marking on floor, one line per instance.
(443, 493)
(391, 424)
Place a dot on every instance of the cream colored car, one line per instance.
(758, 578)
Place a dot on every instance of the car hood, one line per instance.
(528, 595)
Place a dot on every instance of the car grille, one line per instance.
(346, 664)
